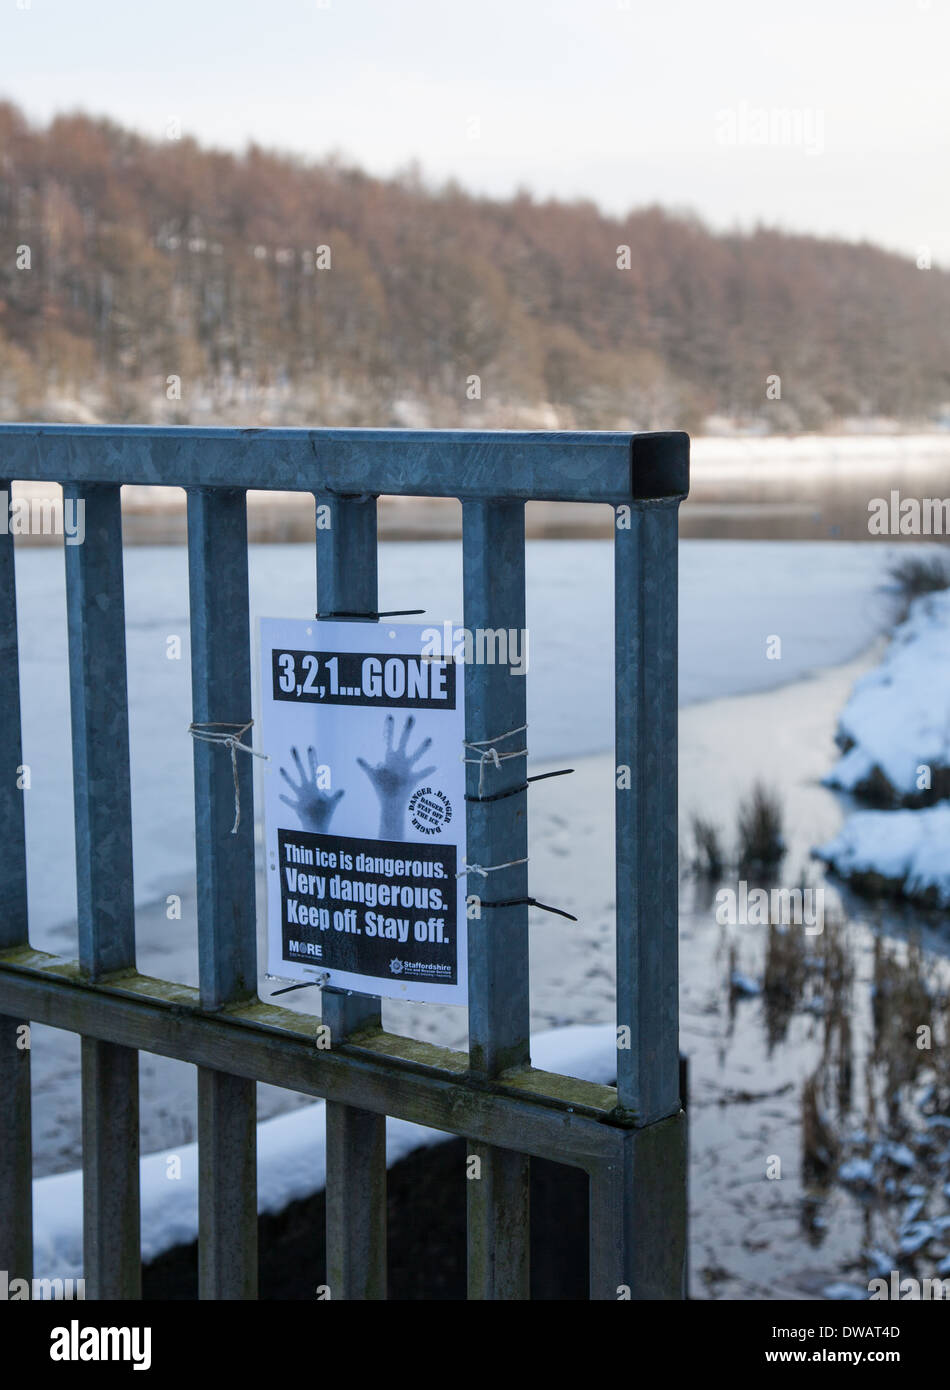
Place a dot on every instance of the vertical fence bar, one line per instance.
(645, 598)
(227, 934)
(638, 1216)
(16, 1177)
(16, 1152)
(347, 586)
(684, 1102)
(99, 706)
(227, 1186)
(497, 833)
(638, 1209)
(110, 1161)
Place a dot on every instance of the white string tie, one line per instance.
(487, 754)
(487, 869)
(205, 733)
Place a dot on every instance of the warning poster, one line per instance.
(364, 808)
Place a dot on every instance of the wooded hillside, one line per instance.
(155, 280)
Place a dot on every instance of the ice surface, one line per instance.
(821, 599)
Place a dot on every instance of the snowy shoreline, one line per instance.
(895, 732)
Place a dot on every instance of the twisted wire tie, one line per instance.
(488, 754)
(486, 869)
(204, 733)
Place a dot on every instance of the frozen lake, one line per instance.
(820, 599)
(745, 716)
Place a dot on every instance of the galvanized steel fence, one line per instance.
(629, 1139)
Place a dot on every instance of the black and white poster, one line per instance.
(364, 809)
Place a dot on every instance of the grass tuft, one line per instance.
(760, 818)
(709, 858)
(919, 575)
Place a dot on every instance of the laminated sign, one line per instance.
(364, 808)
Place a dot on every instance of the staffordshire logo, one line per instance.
(396, 966)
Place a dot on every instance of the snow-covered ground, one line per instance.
(906, 851)
(898, 718)
(893, 456)
(895, 728)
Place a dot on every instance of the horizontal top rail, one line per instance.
(592, 466)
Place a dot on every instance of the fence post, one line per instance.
(98, 694)
(636, 1155)
(356, 1139)
(638, 1209)
(638, 1216)
(497, 833)
(16, 1149)
(227, 929)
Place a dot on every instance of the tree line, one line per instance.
(154, 280)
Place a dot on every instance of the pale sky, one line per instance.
(625, 102)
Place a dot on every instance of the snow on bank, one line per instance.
(720, 458)
(906, 851)
(291, 1158)
(898, 718)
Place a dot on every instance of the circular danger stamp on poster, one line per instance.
(429, 811)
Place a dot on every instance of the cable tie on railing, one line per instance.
(513, 791)
(488, 754)
(304, 984)
(205, 733)
(389, 613)
(531, 902)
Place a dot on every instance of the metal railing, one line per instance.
(629, 1139)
